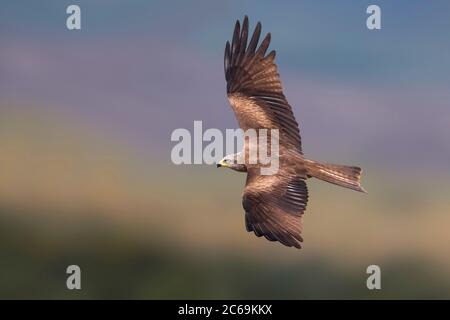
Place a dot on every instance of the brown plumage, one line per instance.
(273, 204)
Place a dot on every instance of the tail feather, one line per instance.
(344, 176)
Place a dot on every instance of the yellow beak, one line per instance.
(222, 164)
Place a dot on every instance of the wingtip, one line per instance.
(272, 55)
(237, 26)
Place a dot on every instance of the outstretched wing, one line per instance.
(274, 207)
(254, 87)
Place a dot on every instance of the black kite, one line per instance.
(273, 204)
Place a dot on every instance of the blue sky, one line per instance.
(327, 38)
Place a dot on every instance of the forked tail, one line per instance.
(344, 176)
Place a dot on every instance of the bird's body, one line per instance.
(274, 203)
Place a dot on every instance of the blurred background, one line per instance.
(85, 171)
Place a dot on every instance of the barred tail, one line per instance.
(344, 176)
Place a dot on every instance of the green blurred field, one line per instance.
(140, 227)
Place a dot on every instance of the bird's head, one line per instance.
(232, 161)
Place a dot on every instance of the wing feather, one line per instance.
(274, 206)
(254, 86)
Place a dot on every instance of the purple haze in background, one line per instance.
(141, 70)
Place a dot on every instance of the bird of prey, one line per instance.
(273, 204)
